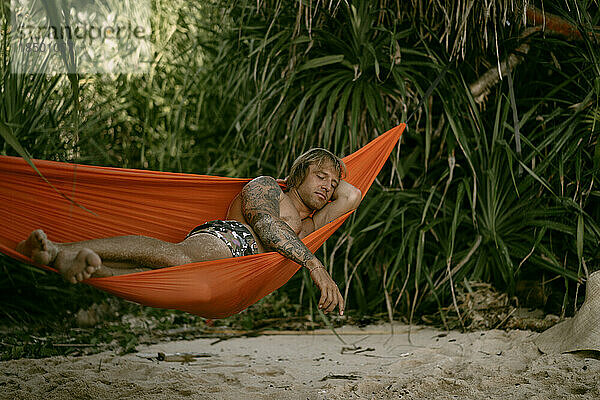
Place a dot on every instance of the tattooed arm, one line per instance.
(260, 206)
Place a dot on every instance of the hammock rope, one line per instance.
(165, 206)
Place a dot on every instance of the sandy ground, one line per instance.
(371, 365)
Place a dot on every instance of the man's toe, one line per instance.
(92, 260)
(91, 269)
(39, 235)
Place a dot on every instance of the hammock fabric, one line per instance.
(165, 206)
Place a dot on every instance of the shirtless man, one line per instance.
(261, 218)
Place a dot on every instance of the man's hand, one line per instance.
(330, 294)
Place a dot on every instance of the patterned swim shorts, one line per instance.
(233, 233)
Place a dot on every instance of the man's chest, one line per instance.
(289, 214)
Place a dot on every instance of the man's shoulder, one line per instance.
(263, 181)
(263, 186)
(263, 178)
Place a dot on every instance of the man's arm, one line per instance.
(345, 198)
(260, 206)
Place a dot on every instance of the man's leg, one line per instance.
(119, 255)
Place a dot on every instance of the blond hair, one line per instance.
(316, 156)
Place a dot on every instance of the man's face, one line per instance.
(318, 186)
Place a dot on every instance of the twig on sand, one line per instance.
(181, 357)
(251, 333)
(334, 376)
(175, 357)
(376, 356)
(355, 350)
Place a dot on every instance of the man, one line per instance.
(261, 218)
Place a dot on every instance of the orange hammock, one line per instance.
(165, 206)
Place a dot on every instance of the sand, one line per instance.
(492, 364)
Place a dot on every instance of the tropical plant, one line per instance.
(493, 184)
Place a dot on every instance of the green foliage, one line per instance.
(28, 293)
(121, 326)
(359, 70)
(491, 191)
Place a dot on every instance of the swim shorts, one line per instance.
(233, 233)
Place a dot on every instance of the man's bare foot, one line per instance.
(38, 247)
(76, 266)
